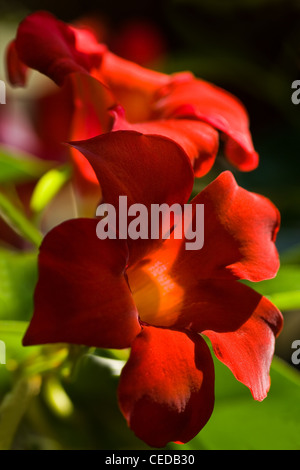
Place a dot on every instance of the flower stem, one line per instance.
(18, 221)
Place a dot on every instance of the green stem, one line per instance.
(13, 408)
(18, 221)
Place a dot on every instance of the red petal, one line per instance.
(221, 306)
(52, 47)
(147, 169)
(169, 298)
(52, 116)
(140, 41)
(240, 229)
(199, 140)
(82, 296)
(166, 389)
(57, 49)
(187, 96)
(133, 86)
(249, 350)
(91, 117)
(17, 71)
(174, 285)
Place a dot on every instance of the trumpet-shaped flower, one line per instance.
(158, 298)
(111, 93)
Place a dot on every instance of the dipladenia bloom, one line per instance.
(111, 93)
(158, 298)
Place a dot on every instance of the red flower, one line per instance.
(190, 111)
(159, 299)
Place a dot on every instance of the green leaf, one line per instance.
(20, 167)
(48, 186)
(18, 221)
(18, 276)
(13, 408)
(32, 360)
(289, 300)
(11, 333)
(56, 397)
(291, 256)
(287, 279)
(94, 385)
(284, 289)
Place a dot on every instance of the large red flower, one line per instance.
(159, 299)
(188, 110)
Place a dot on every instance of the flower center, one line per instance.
(156, 294)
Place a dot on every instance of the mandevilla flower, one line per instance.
(157, 298)
(111, 93)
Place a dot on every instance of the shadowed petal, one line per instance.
(16, 69)
(248, 351)
(240, 229)
(239, 233)
(191, 97)
(82, 296)
(166, 389)
(91, 104)
(199, 140)
(50, 46)
(147, 169)
(133, 86)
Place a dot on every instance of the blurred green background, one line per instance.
(65, 398)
